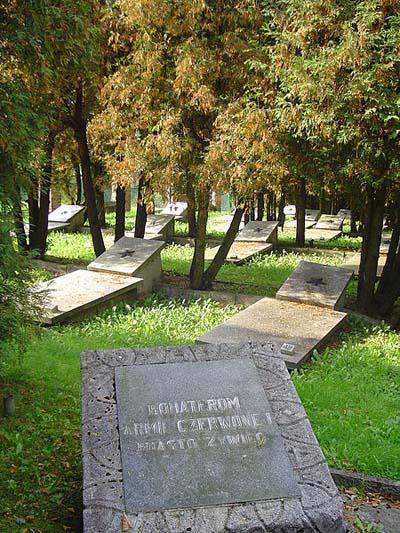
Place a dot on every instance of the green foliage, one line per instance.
(17, 307)
(352, 395)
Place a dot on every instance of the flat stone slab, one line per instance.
(81, 293)
(70, 214)
(291, 330)
(240, 252)
(126, 256)
(174, 419)
(177, 209)
(331, 222)
(315, 284)
(289, 210)
(258, 231)
(321, 234)
(312, 214)
(292, 224)
(345, 214)
(51, 226)
(160, 224)
(353, 263)
(240, 381)
(223, 223)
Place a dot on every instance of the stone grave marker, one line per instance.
(202, 439)
(289, 210)
(51, 226)
(131, 256)
(276, 324)
(312, 215)
(353, 264)
(345, 214)
(316, 284)
(315, 234)
(81, 293)
(292, 224)
(70, 214)
(177, 209)
(330, 222)
(160, 227)
(259, 231)
(240, 252)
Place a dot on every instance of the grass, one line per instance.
(40, 455)
(263, 275)
(352, 396)
(350, 392)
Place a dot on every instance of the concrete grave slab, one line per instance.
(331, 222)
(289, 210)
(51, 226)
(289, 329)
(240, 252)
(312, 214)
(292, 224)
(345, 214)
(259, 231)
(132, 256)
(177, 209)
(70, 214)
(161, 225)
(353, 263)
(223, 222)
(315, 234)
(315, 284)
(80, 294)
(176, 402)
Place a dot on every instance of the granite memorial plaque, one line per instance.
(79, 294)
(330, 222)
(73, 215)
(318, 508)
(312, 214)
(316, 284)
(177, 209)
(277, 323)
(315, 234)
(259, 231)
(241, 251)
(198, 434)
(289, 210)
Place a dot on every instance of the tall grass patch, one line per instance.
(352, 396)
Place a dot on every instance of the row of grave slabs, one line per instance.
(318, 227)
(213, 437)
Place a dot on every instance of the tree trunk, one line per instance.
(33, 205)
(79, 125)
(191, 201)
(281, 207)
(373, 222)
(260, 206)
(300, 211)
(78, 180)
(44, 196)
(197, 266)
(119, 213)
(212, 271)
(389, 286)
(19, 222)
(141, 213)
(101, 208)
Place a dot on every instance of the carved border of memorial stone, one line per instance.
(320, 508)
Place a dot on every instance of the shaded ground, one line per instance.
(370, 512)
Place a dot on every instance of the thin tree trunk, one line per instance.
(300, 211)
(19, 222)
(141, 213)
(373, 222)
(197, 266)
(33, 205)
(44, 196)
(79, 125)
(191, 201)
(101, 208)
(212, 271)
(260, 205)
(281, 207)
(119, 213)
(78, 180)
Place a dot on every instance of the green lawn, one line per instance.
(350, 392)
